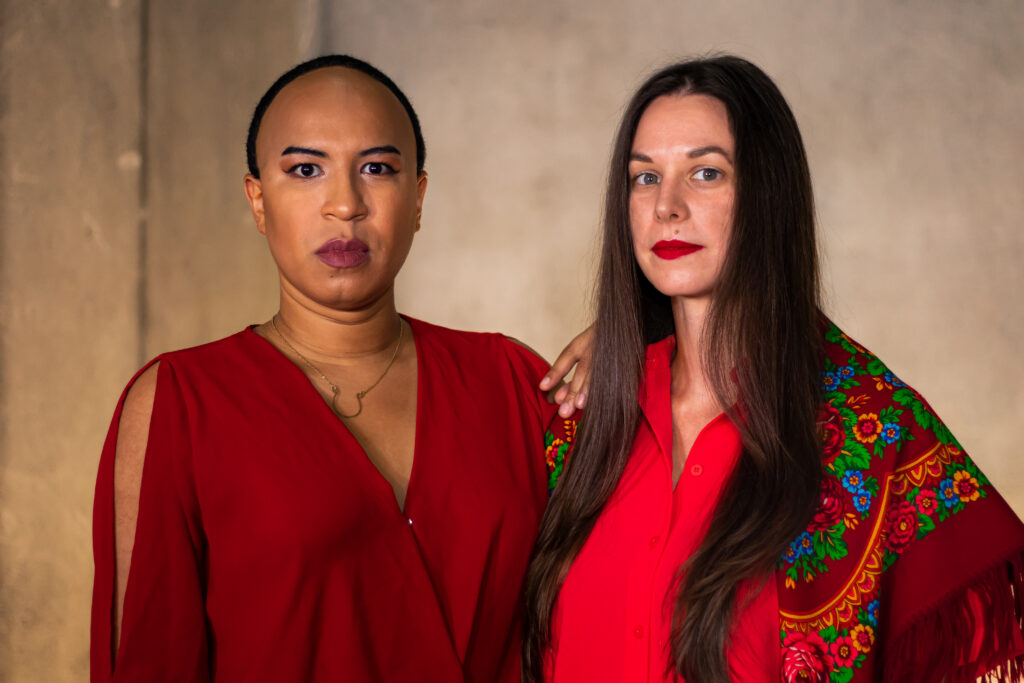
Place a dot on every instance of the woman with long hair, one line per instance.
(341, 492)
(750, 494)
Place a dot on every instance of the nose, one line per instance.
(671, 203)
(344, 199)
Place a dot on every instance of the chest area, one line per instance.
(277, 471)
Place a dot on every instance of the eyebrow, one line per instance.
(382, 149)
(693, 154)
(291, 149)
(709, 149)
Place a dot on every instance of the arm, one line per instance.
(148, 610)
(129, 457)
(578, 353)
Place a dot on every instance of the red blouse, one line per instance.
(613, 615)
(269, 548)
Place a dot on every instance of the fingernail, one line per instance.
(581, 398)
(545, 382)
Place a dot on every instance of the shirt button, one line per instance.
(696, 470)
(638, 632)
(654, 541)
(410, 522)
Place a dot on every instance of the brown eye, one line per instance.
(305, 170)
(377, 168)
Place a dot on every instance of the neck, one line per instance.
(688, 378)
(333, 335)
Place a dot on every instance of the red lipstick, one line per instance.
(673, 249)
(343, 253)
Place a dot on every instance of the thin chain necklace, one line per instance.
(334, 387)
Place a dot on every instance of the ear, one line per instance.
(421, 190)
(254, 193)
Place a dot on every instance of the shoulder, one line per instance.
(486, 347)
(212, 352)
(883, 409)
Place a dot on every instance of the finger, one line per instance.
(560, 368)
(567, 408)
(569, 357)
(580, 384)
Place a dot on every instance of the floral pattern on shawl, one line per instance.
(893, 474)
(868, 418)
(558, 442)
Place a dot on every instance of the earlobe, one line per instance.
(254, 193)
(421, 190)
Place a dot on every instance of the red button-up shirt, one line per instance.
(613, 617)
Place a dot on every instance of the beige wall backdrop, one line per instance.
(124, 230)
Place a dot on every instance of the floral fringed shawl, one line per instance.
(912, 568)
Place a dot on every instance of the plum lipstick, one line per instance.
(343, 253)
(673, 249)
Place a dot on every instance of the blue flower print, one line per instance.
(947, 493)
(852, 481)
(892, 380)
(873, 612)
(791, 554)
(846, 372)
(861, 500)
(805, 544)
(890, 432)
(830, 381)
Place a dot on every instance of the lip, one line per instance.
(343, 253)
(673, 249)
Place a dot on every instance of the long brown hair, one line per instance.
(760, 342)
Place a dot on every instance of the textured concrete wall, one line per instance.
(910, 113)
(124, 230)
(209, 270)
(69, 187)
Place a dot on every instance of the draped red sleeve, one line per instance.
(269, 548)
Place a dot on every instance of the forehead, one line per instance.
(687, 120)
(336, 106)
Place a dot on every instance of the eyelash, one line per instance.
(385, 169)
(706, 169)
(294, 170)
(389, 169)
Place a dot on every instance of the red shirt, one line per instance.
(269, 548)
(613, 616)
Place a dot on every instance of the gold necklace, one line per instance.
(334, 387)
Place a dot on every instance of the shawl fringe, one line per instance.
(941, 643)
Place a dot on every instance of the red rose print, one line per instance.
(925, 502)
(902, 526)
(843, 652)
(803, 658)
(833, 435)
(831, 506)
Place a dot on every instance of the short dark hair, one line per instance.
(323, 62)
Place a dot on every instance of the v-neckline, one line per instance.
(330, 416)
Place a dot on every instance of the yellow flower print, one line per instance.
(867, 428)
(863, 637)
(551, 451)
(965, 486)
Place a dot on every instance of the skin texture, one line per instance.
(342, 319)
(336, 156)
(683, 188)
